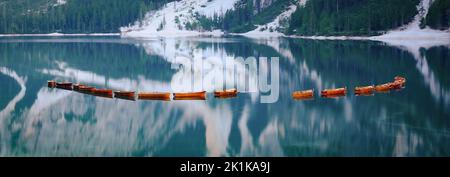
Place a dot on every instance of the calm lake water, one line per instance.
(38, 121)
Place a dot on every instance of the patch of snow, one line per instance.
(55, 34)
(217, 7)
(172, 19)
(415, 34)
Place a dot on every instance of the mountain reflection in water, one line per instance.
(38, 121)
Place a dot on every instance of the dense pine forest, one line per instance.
(75, 16)
(317, 17)
(352, 17)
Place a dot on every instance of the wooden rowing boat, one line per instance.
(105, 93)
(165, 96)
(85, 89)
(64, 85)
(190, 96)
(306, 94)
(334, 92)
(102, 91)
(400, 80)
(125, 95)
(383, 87)
(226, 93)
(366, 90)
(51, 84)
(76, 87)
(396, 85)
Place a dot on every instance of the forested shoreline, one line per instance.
(317, 17)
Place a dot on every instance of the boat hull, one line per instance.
(85, 89)
(384, 87)
(334, 92)
(125, 95)
(367, 90)
(154, 96)
(51, 84)
(303, 95)
(226, 93)
(77, 87)
(102, 93)
(190, 96)
(65, 86)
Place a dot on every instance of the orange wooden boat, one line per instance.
(64, 85)
(76, 87)
(366, 90)
(190, 96)
(85, 89)
(125, 95)
(334, 92)
(384, 87)
(102, 91)
(165, 96)
(396, 85)
(51, 84)
(306, 94)
(226, 93)
(400, 80)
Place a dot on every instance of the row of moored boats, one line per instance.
(131, 95)
(398, 83)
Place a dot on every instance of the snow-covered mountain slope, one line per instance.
(413, 30)
(174, 17)
(273, 29)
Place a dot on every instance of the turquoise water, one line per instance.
(38, 121)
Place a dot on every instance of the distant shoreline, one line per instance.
(59, 34)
